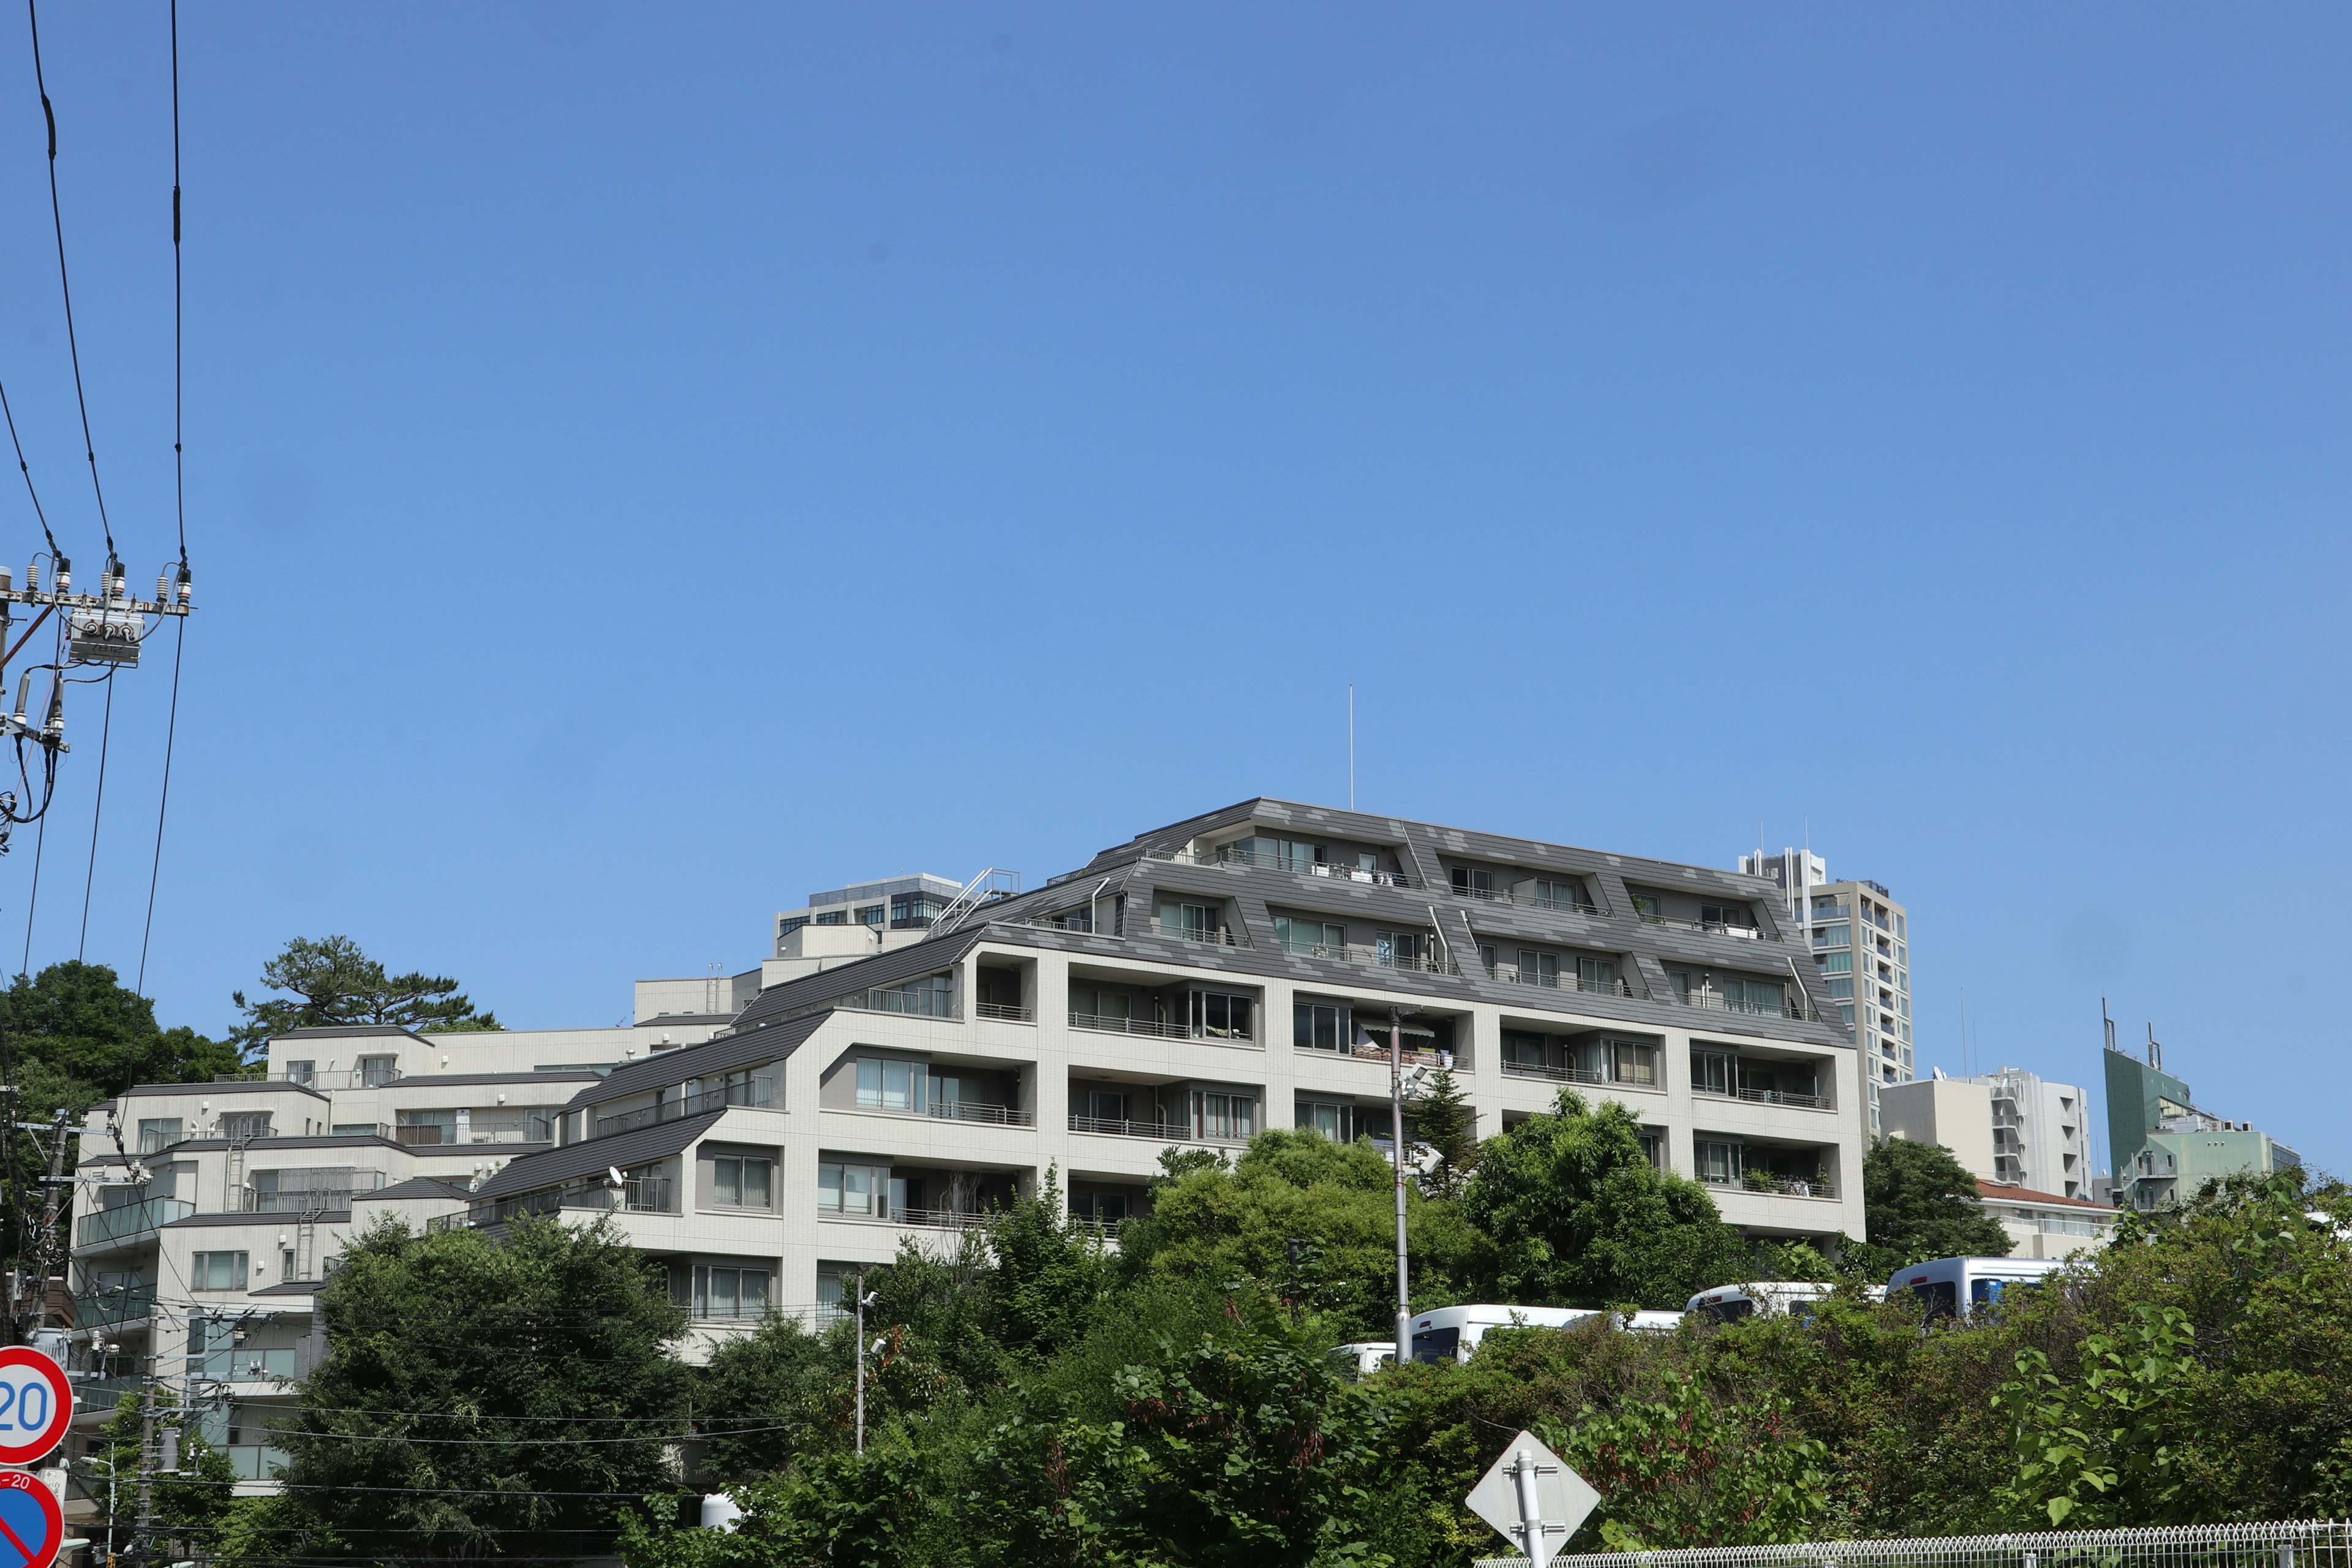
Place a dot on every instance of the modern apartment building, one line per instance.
(2162, 1146)
(1862, 940)
(2025, 1142)
(1189, 988)
(896, 909)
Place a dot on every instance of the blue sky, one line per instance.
(644, 464)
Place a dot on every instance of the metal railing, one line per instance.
(927, 1003)
(243, 1365)
(1004, 1012)
(122, 1304)
(638, 1195)
(2315, 1543)
(1415, 1055)
(104, 1393)
(130, 1219)
(1514, 975)
(958, 1110)
(1372, 955)
(1104, 1023)
(1569, 905)
(1242, 855)
(1765, 1181)
(754, 1094)
(1557, 1075)
(1222, 936)
(321, 1201)
(1797, 1009)
(1765, 1096)
(1705, 928)
(1159, 1132)
(351, 1077)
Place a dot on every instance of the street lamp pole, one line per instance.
(1396, 1149)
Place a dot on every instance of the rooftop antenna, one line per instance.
(2154, 1051)
(1352, 745)
(2108, 1022)
(1964, 1031)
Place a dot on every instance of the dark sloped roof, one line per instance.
(414, 1187)
(464, 1080)
(272, 1145)
(239, 1085)
(291, 1288)
(884, 969)
(744, 1047)
(634, 1147)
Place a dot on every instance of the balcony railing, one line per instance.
(1765, 1181)
(1798, 1009)
(1222, 936)
(1159, 1132)
(1375, 956)
(1513, 974)
(321, 1201)
(1415, 1055)
(1766, 1096)
(129, 1220)
(924, 1004)
(1558, 903)
(959, 1111)
(96, 1393)
(636, 1194)
(754, 1094)
(243, 1365)
(1104, 1023)
(1557, 1075)
(1006, 1012)
(1242, 855)
(1705, 928)
(123, 1304)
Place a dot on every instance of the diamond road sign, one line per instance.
(1532, 1499)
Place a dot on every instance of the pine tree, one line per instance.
(1441, 1117)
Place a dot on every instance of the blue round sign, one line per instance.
(32, 1527)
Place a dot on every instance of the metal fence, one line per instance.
(2317, 1543)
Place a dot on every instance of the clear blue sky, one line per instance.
(648, 463)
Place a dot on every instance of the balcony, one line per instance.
(1765, 1096)
(1244, 855)
(753, 1094)
(1512, 974)
(115, 1225)
(1005, 1013)
(1556, 1075)
(243, 1365)
(1558, 903)
(92, 1396)
(322, 1202)
(1220, 936)
(356, 1078)
(1704, 927)
(923, 1004)
(958, 1110)
(1765, 1181)
(107, 1308)
(636, 1194)
(1104, 1023)
(1415, 1055)
(1372, 956)
(1800, 1010)
(1158, 1131)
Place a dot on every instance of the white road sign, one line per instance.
(1532, 1499)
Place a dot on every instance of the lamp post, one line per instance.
(1396, 1147)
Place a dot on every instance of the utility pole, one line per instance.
(860, 1289)
(1396, 1146)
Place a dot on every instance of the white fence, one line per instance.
(2317, 1543)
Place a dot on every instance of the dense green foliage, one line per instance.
(532, 1379)
(1919, 1203)
(331, 982)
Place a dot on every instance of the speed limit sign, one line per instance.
(36, 1404)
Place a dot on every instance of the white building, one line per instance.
(1984, 1121)
(2041, 1133)
(1862, 939)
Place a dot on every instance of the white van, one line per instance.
(1358, 1361)
(1452, 1333)
(1962, 1287)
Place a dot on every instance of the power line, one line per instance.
(26, 469)
(162, 803)
(97, 813)
(65, 286)
(40, 842)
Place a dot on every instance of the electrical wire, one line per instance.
(40, 842)
(97, 813)
(65, 285)
(164, 801)
(26, 469)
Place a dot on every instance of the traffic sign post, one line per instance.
(36, 1406)
(1532, 1499)
(32, 1527)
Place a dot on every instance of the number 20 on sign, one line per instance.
(36, 1408)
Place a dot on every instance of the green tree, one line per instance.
(1578, 1217)
(1919, 1203)
(195, 1499)
(2090, 1449)
(768, 1396)
(1216, 1226)
(483, 1399)
(1442, 1117)
(333, 983)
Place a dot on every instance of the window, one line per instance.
(1524, 1051)
(745, 1086)
(1645, 905)
(865, 1190)
(1310, 938)
(830, 918)
(1326, 1117)
(1539, 968)
(1597, 974)
(791, 924)
(1835, 936)
(1835, 963)
(1486, 958)
(1556, 895)
(871, 915)
(1473, 882)
(1842, 986)
(740, 1182)
(1278, 854)
(358, 1128)
(286, 1264)
(1731, 917)
(159, 1133)
(1898, 926)
(1087, 1002)
(303, 1073)
(1191, 923)
(911, 911)
(729, 1292)
(377, 1072)
(885, 1085)
(1632, 1061)
(1713, 1072)
(1654, 1145)
(216, 1271)
(1717, 1162)
(1405, 949)
(1220, 1015)
(1217, 1114)
(1321, 1026)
